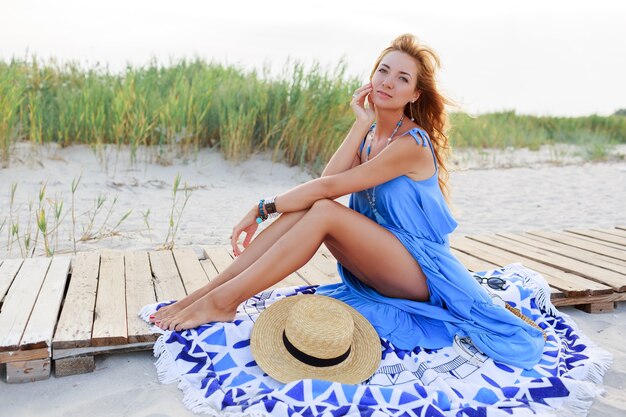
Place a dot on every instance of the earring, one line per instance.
(411, 110)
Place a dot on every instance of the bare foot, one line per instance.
(172, 309)
(200, 312)
(168, 311)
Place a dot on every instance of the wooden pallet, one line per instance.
(31, 291)
(99, 301)
(585, 268)
(108, 289)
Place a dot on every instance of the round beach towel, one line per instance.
(215, 369)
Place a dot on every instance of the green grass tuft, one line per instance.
(301, 115)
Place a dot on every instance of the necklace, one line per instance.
(372, 199)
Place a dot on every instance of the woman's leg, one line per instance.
(259, 245)
(372, 253)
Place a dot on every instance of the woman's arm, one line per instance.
(346, 156)
(399, 158)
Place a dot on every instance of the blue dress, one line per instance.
(417, 214)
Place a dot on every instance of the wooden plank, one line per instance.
(167, 283)
(99, 350)
(501, 257)
(556, 293)
(109, 327)
(594, 273)
(582, 254)
(613, 235)
(190, 270)
(614, 231)
(219, 256)
(326, 265)
(576, 241)
(24, 355)
(8, 271)
(40, 328)
(139, 293)
(31, 371)
(593, 299)
(565, 250)
(571, 285)
(20, 301)
(209, 269)
(313, 276)
(475, 264)
(600, 235)
(326, 253)
(595, 241)
(472, 263)
(76, 321)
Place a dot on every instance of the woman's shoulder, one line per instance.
(418, 133)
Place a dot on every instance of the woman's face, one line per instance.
(394, 81)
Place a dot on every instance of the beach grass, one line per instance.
(300, 115)
(47, 215)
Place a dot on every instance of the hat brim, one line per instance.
(270, 353)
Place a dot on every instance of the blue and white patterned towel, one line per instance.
(218, 376)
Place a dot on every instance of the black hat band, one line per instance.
(312, 360)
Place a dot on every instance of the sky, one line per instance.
(541, 57)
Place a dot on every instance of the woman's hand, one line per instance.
(248, 225)
(362, 113)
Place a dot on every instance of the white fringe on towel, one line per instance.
(582, 391)
(535, 281)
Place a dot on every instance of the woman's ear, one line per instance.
(416, 96)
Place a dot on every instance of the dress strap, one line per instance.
(422, 138)
(364, 139)
(361, 147)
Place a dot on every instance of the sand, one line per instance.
(492, 191)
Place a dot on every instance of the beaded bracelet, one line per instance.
(262, 216)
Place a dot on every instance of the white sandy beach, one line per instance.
(491, 192)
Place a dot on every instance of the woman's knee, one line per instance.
(322, 210)
(324, 206)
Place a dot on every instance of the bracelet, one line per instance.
(270, 207)
(262, 216)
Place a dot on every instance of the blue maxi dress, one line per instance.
(417, 214)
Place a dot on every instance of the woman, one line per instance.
(391, 244)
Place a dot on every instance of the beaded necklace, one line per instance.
(372, 199)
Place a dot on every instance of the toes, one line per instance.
(172, 325)
(157, 317)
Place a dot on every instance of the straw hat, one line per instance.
(317, 337)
